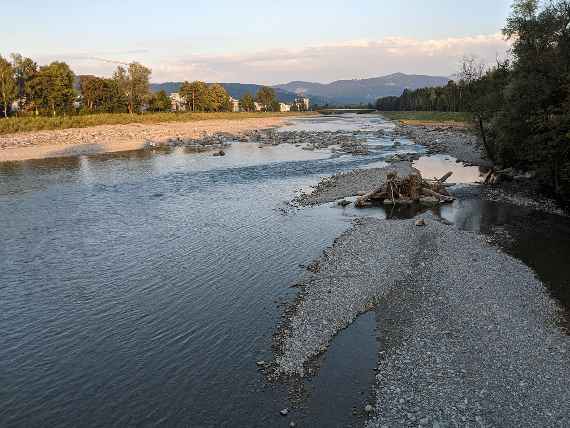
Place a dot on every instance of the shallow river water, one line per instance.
(142, 288)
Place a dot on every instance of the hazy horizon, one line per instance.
(258, 43)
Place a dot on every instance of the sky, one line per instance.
(266, 42)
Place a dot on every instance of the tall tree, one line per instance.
(159, 102)
(247, 102)
(218, 98)
(25, 69)
(266, 97)
(52, 90)
(196, 95)
(8, 86)
(134, 82)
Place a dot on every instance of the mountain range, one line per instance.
(340, 92)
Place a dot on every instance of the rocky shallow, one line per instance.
(474, 338)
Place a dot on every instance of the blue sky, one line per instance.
(259, 41)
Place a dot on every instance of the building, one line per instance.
(235, 105)
(178, 103)
(258, 106)
(284, 107)
(303, 103)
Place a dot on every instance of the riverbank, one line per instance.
(117, 138)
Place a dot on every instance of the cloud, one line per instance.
(322, 63)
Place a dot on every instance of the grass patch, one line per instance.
(14, 125)
(428, 116)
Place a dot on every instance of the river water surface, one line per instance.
(142, 288)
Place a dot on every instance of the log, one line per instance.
(445, 177)
(443, 198)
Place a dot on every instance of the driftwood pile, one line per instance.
(410, 189)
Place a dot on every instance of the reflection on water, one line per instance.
(140, 288)
(438, 165)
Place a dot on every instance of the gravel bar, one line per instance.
(474, 338)
(464, 145)
(347, 184)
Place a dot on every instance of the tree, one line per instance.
(24, 69)
(196, 95)
(52, 90)
(247, 103)
(266, 97)
(102, 95)
(134, 85)
(218, 98)
(275, 106)
(159, 102)
(8, 85)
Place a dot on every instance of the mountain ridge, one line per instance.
(363, 91)
(339, 92)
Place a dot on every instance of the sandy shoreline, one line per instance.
(117, 138)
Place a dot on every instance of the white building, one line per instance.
(178, 103)
(303, 103)
(284, 107)
(235, 104)
(258, 106)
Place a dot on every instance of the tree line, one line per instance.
(28, 89)
(49, 90)
(521, 105)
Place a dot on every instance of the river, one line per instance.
(141, 288)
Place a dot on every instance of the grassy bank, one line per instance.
(429, 116)
(26, 124)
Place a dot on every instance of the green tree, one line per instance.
(102, 95)
(247, 102)
(133, 83)
(218, 98)
(8, 85)
(159, 102)
(52, 90)
(25, 69)
(266, 97)
(196, 95)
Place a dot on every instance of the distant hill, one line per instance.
(236, 90)
(341, 92)
(363, 91)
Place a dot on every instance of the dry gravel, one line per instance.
(347, 184)
(462, 144)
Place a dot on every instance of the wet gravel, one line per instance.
(462, 144)
(474, 338)
(348, 184)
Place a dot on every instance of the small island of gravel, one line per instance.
(479, 345)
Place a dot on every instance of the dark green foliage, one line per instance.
(267, 98)
(51, 89)
(521, 107)
(247, 102)
(102, 95)
(159, 102)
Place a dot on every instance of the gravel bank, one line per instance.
(347, 184)
(115, 138)
(462, 144)
(473, 337)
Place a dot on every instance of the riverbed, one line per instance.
(142, 288)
